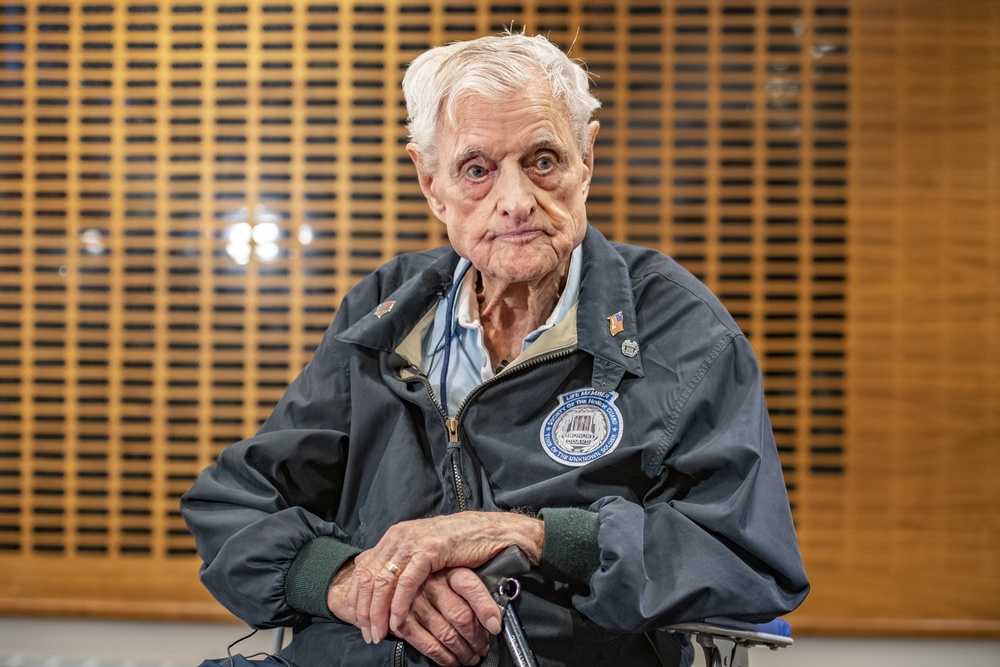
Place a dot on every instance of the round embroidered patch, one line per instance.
(585, 426)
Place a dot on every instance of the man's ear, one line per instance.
(588, 159)
(426, 180)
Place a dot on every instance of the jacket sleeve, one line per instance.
(714, 537)
(262, 515)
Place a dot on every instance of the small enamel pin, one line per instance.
(616, 323)
(384, 308)
(630, 348)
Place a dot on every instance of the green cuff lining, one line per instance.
(570, 553)
(312, 571)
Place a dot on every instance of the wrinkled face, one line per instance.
(510, 185)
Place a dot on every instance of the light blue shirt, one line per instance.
(470, 365)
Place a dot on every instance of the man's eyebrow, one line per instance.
(547, 140)
(467, 152)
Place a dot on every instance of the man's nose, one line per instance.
(515, 193)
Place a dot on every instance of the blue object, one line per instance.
(778, 626)
(449, 335)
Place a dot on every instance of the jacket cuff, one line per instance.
(311, 572)
(570, 552)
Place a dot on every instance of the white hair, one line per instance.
(496, 67)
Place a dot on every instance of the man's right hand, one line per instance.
(445, 621)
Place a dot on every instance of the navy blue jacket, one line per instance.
(647, 451)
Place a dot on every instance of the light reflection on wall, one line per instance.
(259, 238)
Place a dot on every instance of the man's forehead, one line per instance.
(494, 131)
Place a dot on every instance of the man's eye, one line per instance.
(476, 172)
(545, 163)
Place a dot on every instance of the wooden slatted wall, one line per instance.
(187, 188)
(908, 541)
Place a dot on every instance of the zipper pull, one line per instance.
(452, 424)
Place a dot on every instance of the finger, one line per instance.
(456, 611)
(397, 605)
(371, 566)
(466, 583)
(362, 587)
(444, 630)
(383, 586)
(417, 636)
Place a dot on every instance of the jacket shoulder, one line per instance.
(375, 287)
(660, 283)
(396, 271)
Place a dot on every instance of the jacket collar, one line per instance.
(395, 316)
(605, 290)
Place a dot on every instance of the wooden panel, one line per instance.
(910, 541)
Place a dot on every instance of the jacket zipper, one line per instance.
(451, 423)
(397, 655)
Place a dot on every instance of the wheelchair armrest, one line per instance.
(773, 635)
(727, 642)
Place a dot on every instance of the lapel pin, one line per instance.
(384, 308)
(630, 348)
(616, 323)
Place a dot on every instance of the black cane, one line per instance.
(498, 576)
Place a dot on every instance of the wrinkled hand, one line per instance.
(443, 626)
(446, 618)
(421, 547)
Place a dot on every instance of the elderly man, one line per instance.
(532, 384)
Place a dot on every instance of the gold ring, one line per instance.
(392, 567)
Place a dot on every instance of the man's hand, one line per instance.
(446, 618)
(382, 599)
(442, 625)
